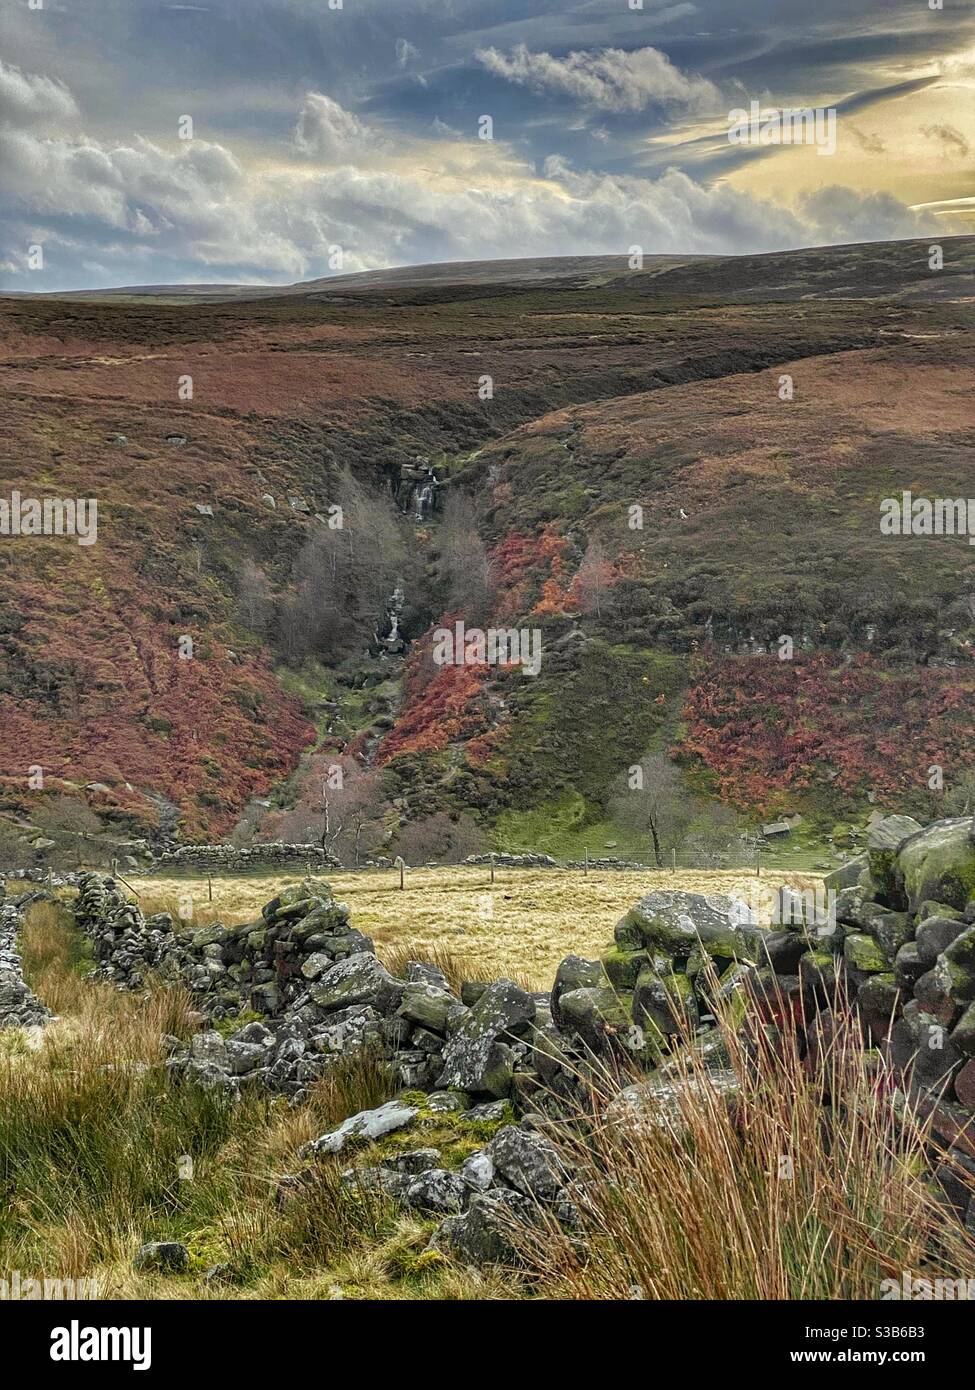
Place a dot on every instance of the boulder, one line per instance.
(965, 1084)
(879, 1001)
(847, 876)
(595, 1015)
(358, 980)
(676, 922)
(963, 1035)
(863, 953)
(436, 1190)
(477, 1171)
(527, 1161)
(665, 1003)
(921, 1048)
(939, 864)
(485, 1232)
(166, 1256)
(427, 1006)
(884, 839)
(934, 935)
(574, 973)
(477, 1056)
(658, 1102)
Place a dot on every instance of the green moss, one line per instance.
(226, 1026)
(622, 967)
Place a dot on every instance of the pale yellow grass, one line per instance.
(522, 925)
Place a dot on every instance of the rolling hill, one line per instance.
(553, 397)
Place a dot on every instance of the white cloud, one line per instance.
(28, 100)
(197, 212)
(328, 132)
(837, 214)
(405, 52)
(608, 79)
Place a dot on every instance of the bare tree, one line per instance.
(342, 811)
(440, 837)
(463, 567)
(592, 578)
(342, 577)
(255, 601)
(649, 799)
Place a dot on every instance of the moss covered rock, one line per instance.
(939, 865)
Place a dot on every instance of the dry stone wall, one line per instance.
(898, 949)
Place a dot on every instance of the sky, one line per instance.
(272, 141)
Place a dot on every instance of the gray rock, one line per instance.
(477, 1171)
(491, 1110)
(358, 980)
(528, 1162)
(678, 921)
(573, 973)
(427, 1005)
(417, 1161)
(367, 1124)
(168, 1256)
(486, 1232)
(436, 1190)
(477, 1056)
(658, 1102)
(446, 1102)
(934, 935)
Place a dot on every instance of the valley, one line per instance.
(597, 435)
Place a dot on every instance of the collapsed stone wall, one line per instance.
(229, 859)
(899, 949)
(19, 1005)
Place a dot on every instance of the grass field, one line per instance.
(522, 925)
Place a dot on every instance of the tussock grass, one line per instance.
(456, 966)
(93, 1147)
(781, 1194)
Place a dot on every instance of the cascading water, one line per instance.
(389, 638)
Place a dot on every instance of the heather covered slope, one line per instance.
(657, 388)
(760, 519)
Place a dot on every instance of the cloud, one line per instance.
(27, 100)
(873, 144)
(837, 214)
(405, 52)
(609, 79)
(326, 131)
(949, 137)
(132, 211)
